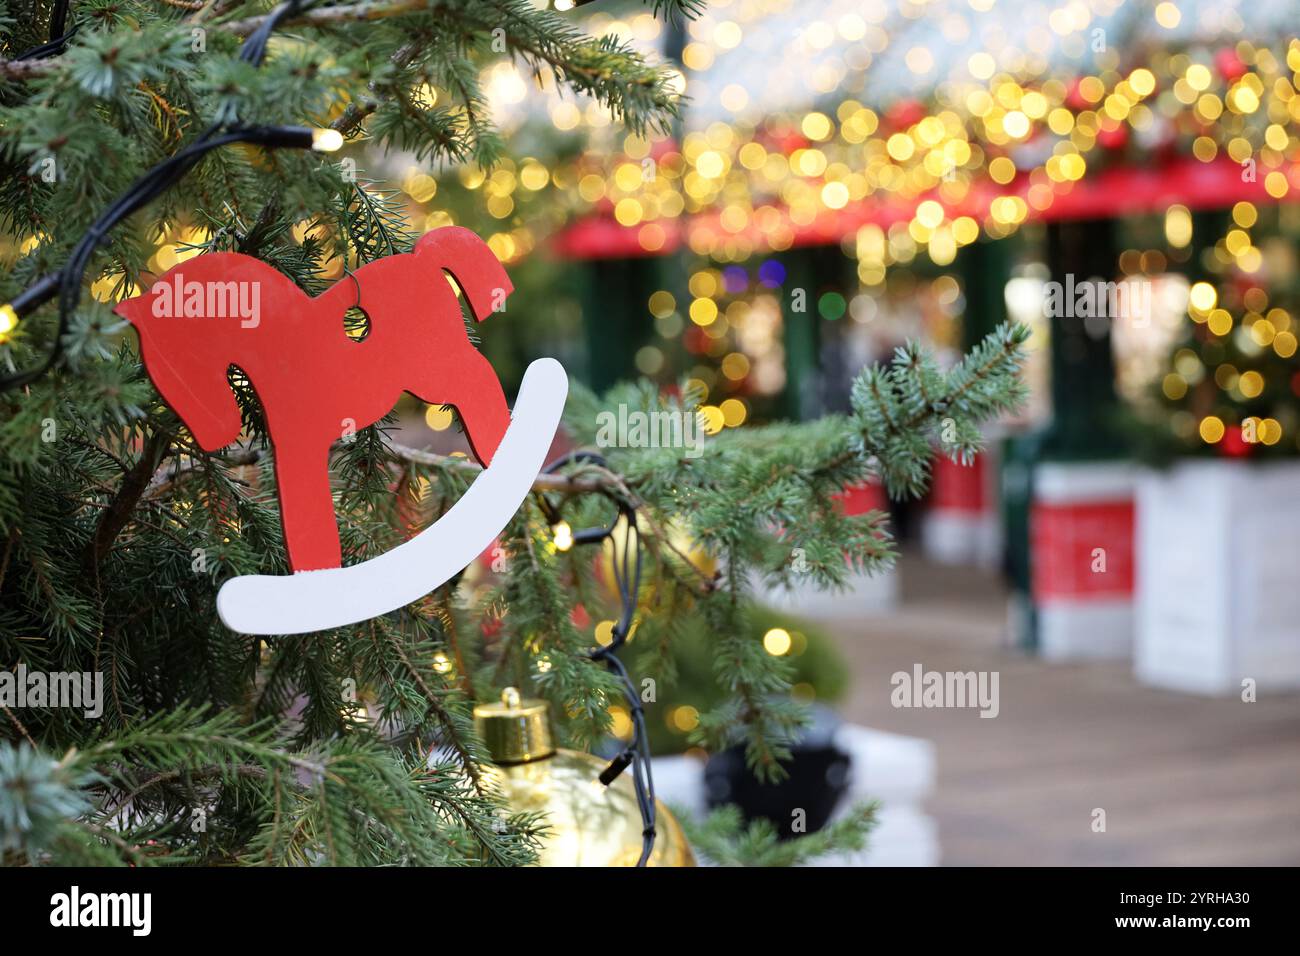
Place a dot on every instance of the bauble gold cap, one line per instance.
(515, 730)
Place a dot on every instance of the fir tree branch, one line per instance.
(444, 717)
(134, 485)
(724, 838)
(448, 617)
(18, 724)
(470, 469)
(363, 12)
(26, 69)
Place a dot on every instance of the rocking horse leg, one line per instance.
(311, 533)
(478, 398)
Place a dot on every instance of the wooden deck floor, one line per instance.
(1184, 781)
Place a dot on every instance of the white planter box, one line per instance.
(961, 538)
(1081, 521)
(864, 595)
(1218, 594)
(962, 522)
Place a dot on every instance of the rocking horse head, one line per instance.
(194, 322)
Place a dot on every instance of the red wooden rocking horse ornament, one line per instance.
(316, 384)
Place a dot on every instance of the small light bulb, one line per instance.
(326, 140)
(563, 536)
(777, 641)
(8, 319)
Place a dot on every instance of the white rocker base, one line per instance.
(335, 597)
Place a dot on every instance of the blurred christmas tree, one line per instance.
(1232, 387)
(353, 746)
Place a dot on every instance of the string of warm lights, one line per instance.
(971, 146)
(948, 176)
(67, 282)
(991, 147)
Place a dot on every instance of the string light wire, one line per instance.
(627, 580)
(67, 282)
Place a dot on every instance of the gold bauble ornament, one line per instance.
(589, 824)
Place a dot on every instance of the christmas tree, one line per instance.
(1232, 386)
(135, 135)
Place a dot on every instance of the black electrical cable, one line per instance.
(629, 585)
(627, 580)
(66, 283)
(58, 18)
(58, 38)
(55, 45)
